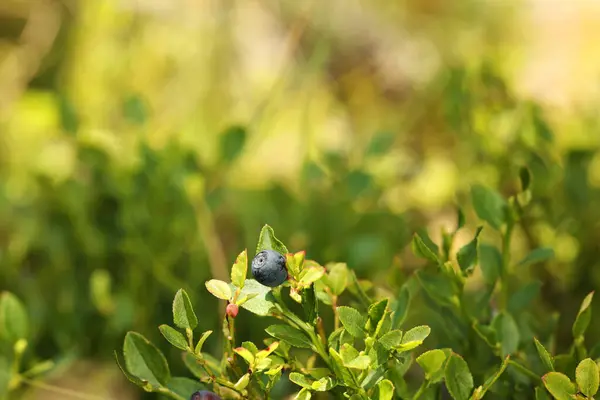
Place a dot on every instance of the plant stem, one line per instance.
(525, 371)
(421, 390)
(204, 366)
(321, 330)
(336, 317)
(231, 337)
(295, 321)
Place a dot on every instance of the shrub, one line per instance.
(487, 343)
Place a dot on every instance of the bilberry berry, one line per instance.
(268, 268)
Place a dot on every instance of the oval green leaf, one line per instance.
(385, 390)
(173, 336)
(584, 316)
(268, 241)
(240, 269)
(459, 380)
(587, 376)
(489, 205)
(219, 289)
(353, 321)
(544, 355)
(432, 362)
(144, 361)
(290, 335)
(14, 323)
(183, 312)
(559, 386)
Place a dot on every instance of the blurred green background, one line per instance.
(143, 144)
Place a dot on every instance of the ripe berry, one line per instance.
(268, 268)
(204, 395)
(232, 310)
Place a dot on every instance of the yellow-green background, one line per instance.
(365, 120)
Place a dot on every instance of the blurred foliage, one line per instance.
(143, 143)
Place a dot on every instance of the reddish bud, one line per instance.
(232, 310)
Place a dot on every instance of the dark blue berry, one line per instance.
(204, 395)
(268, 268)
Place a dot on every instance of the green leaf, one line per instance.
(346, 337)
(488, 205)
(376, 312)
(242, 383)
(240, 269)
(183, 387)
(290, 335)
(353, 321)
(379, 354)
(559, 386)
(14, 323)
(385, 389)
(544, 355)
(301, 380)
(467, 255)
(459, 380)
(380, 144)
(348, 353)
(414, 337)
(144, 360)
(310, 304)
(261, 303)
(201, 341)
(421, 249)
(537, 256)
(263, 354)
(311, 274)
(304, 394)
(460, 218)
(360, 362)
(508, 333)
(245, 354)
(268, 241)
(244, 298)
(232, 142)
(219, 289)
(5, 373)
(334, 337)
(324, 384)
(174, 337)
(341, 372)
(525, 177)
(183, 313)
(587, 376)
(337, 278)
(391, 340)
(384, 325)
(490, 261)
(584, 316)
(432, 362)
(401, 307)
